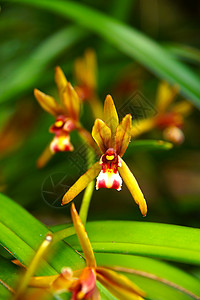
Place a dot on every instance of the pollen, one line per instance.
(59, 123)
(110, 157)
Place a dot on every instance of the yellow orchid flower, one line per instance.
(67, 114)
(82, 283)
(169, 118)
(85, 70)
(112, 139)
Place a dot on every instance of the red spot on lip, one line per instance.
(67, 148)
(116, 185)
(102, 184)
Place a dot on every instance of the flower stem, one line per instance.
(83, 213)
(33, 266)
(64, 233)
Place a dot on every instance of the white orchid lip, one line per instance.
(108, 179)
(61, 143)
(109, 176)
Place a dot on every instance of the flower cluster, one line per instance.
(82, 283)
(112, 139)
(67, 115)
(169, 118)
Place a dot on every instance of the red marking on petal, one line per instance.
(169, 119)
(85, 286)
(84, 92)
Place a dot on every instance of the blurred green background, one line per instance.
(33, 41)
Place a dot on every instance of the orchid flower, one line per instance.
(82, 283)
(169, 119)
(66, 113)
(85, 70)
(112, 139)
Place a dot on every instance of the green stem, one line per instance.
(33, 266)
(83, 213)
(64, 233)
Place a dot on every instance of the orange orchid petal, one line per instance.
(101, 134)
(165, 95)
(85, 286)
(48, 103)
(71, 101)
(142, 126)
(44, 157)
(111, 117)
(116, 290)
(61, 81)
(83, 238)
(183, 108)
(133, 187)
(123, 135)
(119, 280)
(95, 295)
(81, 183)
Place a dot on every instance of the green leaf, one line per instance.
(163, 241)
(8, 277)
(188, 53)
(21, 234)
(147, 145)
(26, 76)
(158, 285)
(130, 41)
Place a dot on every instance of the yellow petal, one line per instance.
(64, 281)
(83, 238)
(119, 280)
(116, 290)
(142, 126)
(102, 135)
(42, 281)
(44, 157)
(111, 117)
(165, 95)
(61, 81)
(123, 135)
(48, 103)
(90, 68)
(85, 70)
(96, 107)
(133, 187)
(81, 183)
(183, 108)
(71, 101)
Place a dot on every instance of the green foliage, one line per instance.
(130, 41)
(162, 259)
